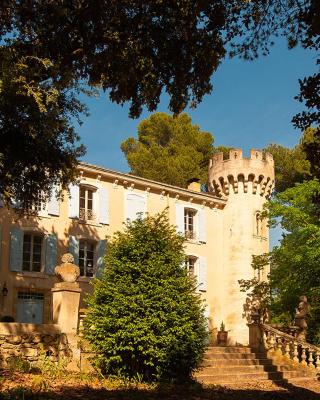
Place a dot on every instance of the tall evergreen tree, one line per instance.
(169, 149)
(145, 318)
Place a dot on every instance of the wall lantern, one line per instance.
(4, 290)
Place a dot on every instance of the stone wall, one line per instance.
(29, 342)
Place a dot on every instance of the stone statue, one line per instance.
(67, 271)
(254, 312)
(247, 310)
(266, 316)
(300, 318)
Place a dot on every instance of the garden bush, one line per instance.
(145, 318)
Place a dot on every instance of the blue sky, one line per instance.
(251, 105)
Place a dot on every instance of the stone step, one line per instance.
(222, 362)
(231, 356)
(240, 377)
(229, 349)
(236, 369)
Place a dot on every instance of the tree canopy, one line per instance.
(145, 319)
(291, 165)
(38, 142)
(169, 149)
(133, 51)
(295, 268)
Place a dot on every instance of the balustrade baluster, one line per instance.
(311, 358)
(303, 355)
(287, 350)
(295, 352)
(279, 345)
(317, 360)
(272, 342)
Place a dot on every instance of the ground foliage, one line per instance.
(170, 150)
(145, 319)
(133, 51)
(17, 386)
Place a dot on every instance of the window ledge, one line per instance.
(30, 274)
(85, 279)
(195, 241)
(45, 216)
(91, 223)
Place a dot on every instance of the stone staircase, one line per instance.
(242, 364)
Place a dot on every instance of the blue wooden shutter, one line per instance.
(74, 248)
(202, 226)
(54, 203)
(202, 277)
(135, 206)
(51, 254)
(180, 218)
(100, 253)
(16, 249)
(103, 206)
(74, 201)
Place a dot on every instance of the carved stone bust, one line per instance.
(300, 318)
(67, 271)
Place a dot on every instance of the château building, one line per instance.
(223, 229)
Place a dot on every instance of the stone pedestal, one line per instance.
(255, 337)
(66, 300)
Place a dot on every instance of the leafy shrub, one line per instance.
(145, 319)
(49, 368)
(18, 364)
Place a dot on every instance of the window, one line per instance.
(260, 225)
(86, 211)
(37, 205)
(189, 223)
(30, 307)
(86, 255)
(190, 264)
(135, 206)
(32, 252)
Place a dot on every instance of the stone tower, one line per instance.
(246, 183)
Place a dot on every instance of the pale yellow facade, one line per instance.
(221, 227)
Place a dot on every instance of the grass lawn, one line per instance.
(24, 386)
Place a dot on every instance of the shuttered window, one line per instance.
(190, 264)
(86, 210)
(32, 252)
(135, 206)
(189, 223)
(86, 257)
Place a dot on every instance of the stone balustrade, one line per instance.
(299, 351)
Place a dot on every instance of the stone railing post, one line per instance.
(66, 301)
(256, 337)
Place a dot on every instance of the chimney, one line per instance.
(194, 185)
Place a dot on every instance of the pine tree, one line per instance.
(145, 317)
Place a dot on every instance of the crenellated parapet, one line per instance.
(241, 175)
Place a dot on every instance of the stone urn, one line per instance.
(67, 271)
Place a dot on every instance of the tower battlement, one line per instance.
(239, 174)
